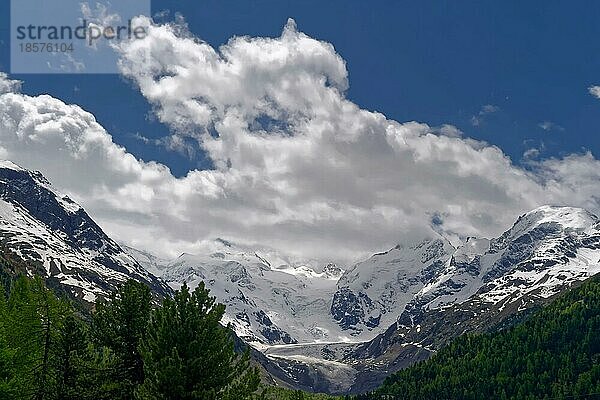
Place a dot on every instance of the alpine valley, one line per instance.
(315, 325)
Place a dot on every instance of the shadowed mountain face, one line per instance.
(372, 292)
(46, 233)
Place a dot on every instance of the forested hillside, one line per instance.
(555, 354)
(127, 348)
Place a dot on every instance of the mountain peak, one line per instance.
(33, 179)
(568, 217)
(6, 164)
(44, 232)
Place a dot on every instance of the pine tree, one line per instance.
(73, 354)
(189, 355)
(52, 313)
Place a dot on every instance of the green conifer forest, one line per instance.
(555, 354)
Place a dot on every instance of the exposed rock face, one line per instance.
(371, 294)
(46, 233)
(488, 285)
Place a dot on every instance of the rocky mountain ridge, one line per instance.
(43, 232)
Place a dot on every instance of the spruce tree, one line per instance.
(189, 355)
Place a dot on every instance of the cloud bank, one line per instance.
(298, 166)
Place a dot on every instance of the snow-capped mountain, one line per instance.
(371, 293)
(546, 249)
(43, 232)
(273, 299)
(484, 285)
(270, 298)
(433, 293)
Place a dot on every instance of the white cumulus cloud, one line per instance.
(298, 166)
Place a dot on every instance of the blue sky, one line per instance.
(433, 62)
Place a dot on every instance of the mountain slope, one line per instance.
(478, 287)
(371, 294)
(43, 232)
(555, 353)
